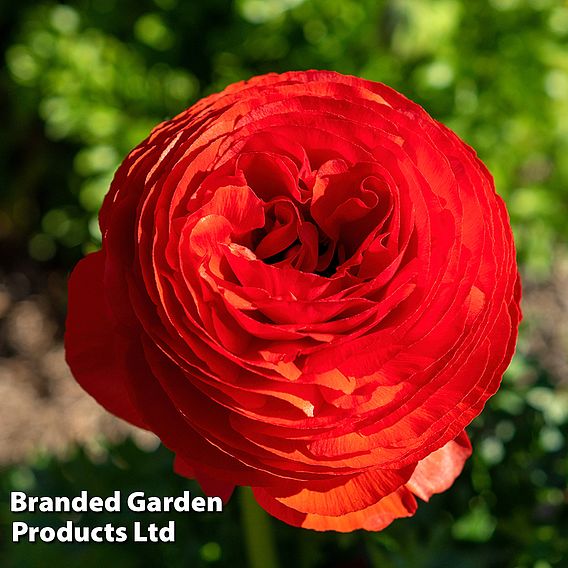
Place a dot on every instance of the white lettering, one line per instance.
(65, 534)
(136, 502)
(18, 501)
(96, 504)
(214, 504)
(47, 534)
(95, 534)
(80, 504)
(154, 505)
(168, 534)
(198, 504)
(33, 532)
(138, 534)
(121, 534)
(155, 534)
(182, 504)
(112, 504)
(18, 529)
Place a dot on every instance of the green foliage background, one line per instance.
(83, 82)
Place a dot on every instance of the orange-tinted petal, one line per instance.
(396, 505)
(439, 470)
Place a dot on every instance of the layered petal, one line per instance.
(94, 351)
(306, 285)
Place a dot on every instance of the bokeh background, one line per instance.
(81, 83)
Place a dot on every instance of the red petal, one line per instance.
(438, 471)
(399, 504)
(93, 350)
(336, 497)
(211, 486)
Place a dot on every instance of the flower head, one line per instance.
(306, 285)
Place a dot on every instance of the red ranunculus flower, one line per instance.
(306, 285)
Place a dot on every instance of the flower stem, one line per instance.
(259, 540)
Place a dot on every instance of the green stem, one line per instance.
(259, 539)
